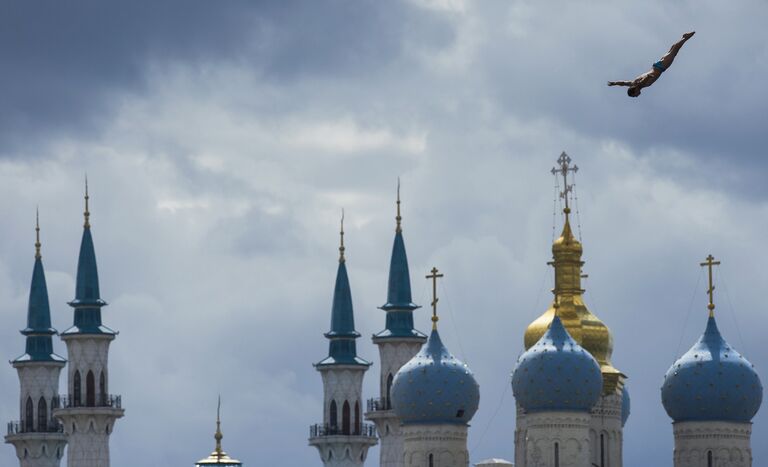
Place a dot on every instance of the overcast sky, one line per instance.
(221, 141)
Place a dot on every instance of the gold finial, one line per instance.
(87, 213)
(565, 166)
(434, 276)
(711, 290)
(218, 436)
(341, 246)
(398, 218)
(37, 233)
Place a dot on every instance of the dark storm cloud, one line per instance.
(66, 65)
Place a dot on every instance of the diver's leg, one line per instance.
(669, 57)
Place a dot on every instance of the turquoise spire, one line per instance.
(87, 302)
(399, 306)
(342, 347)
(39, 330)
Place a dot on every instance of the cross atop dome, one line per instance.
(564, 161)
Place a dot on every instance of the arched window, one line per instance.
(76, 389)
(431, 460)
(333, 419)
(709, 459)
(29, 416)
(388, 402)
(42, 415)
(90, 390)
(102, 389)
(357, 418)
(345, 419)
(557, 455)
(602, 450)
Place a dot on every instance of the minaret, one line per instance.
(712, 393)
(435, 396)
(397, 343)
(218, 456)
(38, 438)
(556, 383)
(608, 415)
(88, 412)
(342, 439)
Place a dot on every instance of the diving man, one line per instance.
(650, 77)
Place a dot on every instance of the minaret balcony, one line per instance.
(379, 404)
(104, 401)
(364, 430)
(21, 427)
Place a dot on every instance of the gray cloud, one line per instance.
(221, 148)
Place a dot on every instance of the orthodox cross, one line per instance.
(434, 276)
(565, 166)
(711, 290)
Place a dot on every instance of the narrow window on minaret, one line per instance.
(42, 415)
(102, 389)
(333, 419)
(709, 459)
(557, 455)
(345, 415)
(431, 460)
(602, 450)
(90, 390)
(77, 389)
(29, 416)
(357, 418)
(387, 403)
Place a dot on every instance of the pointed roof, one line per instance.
(39, 346)
(87, 302)
(399, 306)
(342, 336)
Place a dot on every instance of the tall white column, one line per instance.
(342, 440)
(88, 412)
(37, 437)
(393, 354)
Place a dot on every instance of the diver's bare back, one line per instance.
(650, 77)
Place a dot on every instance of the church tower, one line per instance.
(38, 438)
(435, 395)
(612, 409)
(711, 393)
(397, 343)
(88, 412)
(556, 383)
(342, 440)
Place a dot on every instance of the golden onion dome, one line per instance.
(582, 325)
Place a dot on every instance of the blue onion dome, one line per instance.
(556, 373)
(435, 387)
(712, 382)
(625, 405)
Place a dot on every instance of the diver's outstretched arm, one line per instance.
(620, 83)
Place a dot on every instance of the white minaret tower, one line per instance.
(38, 438)
(711, 393)
(435, 396)
(342, 439)
(397, 343)
(88, 412)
